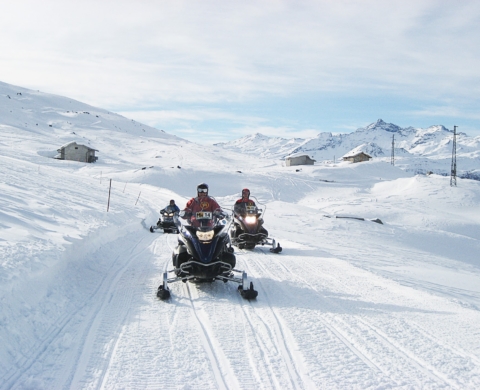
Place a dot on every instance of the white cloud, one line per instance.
(447, 111)
(136, 56)
(208, 51)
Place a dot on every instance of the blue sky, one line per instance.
(213, 71)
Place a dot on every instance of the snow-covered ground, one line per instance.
(349, 303)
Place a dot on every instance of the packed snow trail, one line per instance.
(318, 321)
(310, 319)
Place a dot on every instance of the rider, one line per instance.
(202, 202)
(171, 208)
(243, 201)
(240, 209)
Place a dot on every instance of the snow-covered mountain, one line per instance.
(416, 150)
(349, 303)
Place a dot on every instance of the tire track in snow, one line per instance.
(52, 350)
(166, 265)
(93, 331)
(421, 364)
(208, 342)
(348, 331)
(332, 354)
(103, 380)
(219, 362)
(266, 370)
(338, 333)
(278, 333)
(232, 367)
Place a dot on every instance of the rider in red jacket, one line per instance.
(201, 203)
(243, 201)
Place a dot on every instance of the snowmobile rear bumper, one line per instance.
(248, 241)
(167, 228)
(227, 274)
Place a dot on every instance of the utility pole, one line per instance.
(453, 174)
(392, 159)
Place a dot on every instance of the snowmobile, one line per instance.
(248, 231)
(166, 222)
(204, 254)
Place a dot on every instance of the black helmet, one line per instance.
(172, 201)
(202, 187)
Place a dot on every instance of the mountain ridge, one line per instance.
(417, 149)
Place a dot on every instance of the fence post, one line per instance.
(109, 190)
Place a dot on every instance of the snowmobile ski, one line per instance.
(163, 291)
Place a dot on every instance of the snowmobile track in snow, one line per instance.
(208, 341)
(277, 331)
(210, 345)
(357, 330)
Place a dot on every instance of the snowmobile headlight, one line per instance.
(250, 219)
(205, 236)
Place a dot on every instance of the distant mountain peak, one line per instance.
(434, 128)
(258, 136)
(380, 124)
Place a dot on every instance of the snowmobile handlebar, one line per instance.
(185, 218)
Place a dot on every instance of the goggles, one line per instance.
(202, 190)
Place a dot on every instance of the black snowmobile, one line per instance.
(248, 231)
(166, 222)
(204, 254)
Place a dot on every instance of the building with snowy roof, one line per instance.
(298, 159)
(357, 157)
(76, 152)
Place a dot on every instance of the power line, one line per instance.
(392, 159)
(453, 172)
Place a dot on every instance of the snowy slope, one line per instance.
(349, 303)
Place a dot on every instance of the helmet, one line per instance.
(246, 192)
(172, 201)
(202, 188)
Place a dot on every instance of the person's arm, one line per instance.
(188, 210)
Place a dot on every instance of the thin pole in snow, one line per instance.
(392, 159)
(138, 198)
(453, 171)
(109, 190)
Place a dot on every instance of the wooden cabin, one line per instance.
(76, 152)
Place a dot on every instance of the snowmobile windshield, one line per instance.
(244, 209)
(201, 222)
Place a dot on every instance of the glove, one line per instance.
(219, 214)
(185, 214)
